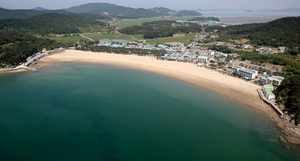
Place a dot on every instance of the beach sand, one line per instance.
(235, 89)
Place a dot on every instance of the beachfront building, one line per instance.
(245, 73)
(267, 89)
(274, 80)
(202, 58)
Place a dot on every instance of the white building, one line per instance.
(245, 73)
(275, 80)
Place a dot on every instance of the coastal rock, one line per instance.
(293, 140)
(282, 139)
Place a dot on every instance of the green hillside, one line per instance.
(49, 23)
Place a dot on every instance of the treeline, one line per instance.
(141, 52)
(204, 19)
(49, 23)
(281, 32)
(160, 29)
(15, 47)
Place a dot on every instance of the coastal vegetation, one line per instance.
(288, 94)
(16, 46)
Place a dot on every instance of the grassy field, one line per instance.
(137, 22)
(67, 39)
(98, 36)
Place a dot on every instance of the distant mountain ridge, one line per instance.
(113, 10)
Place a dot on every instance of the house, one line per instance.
(267, 89)
(245, 73)
(281, 49)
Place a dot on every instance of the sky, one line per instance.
(172, 4)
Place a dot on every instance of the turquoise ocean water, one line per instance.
(88, 112)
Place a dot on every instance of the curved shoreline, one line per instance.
(233, 88)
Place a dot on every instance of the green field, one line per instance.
(67, 39)
(98, 36)
(137, 22)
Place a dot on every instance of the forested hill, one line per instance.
(113, 10)
(16, 46)
(49, 23)
(280, 32)
(159, 29)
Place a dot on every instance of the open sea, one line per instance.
(91, 112)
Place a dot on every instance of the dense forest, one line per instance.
(16, 46)
(288, 94)
(49, 23)
(280, 32)
(159, 29)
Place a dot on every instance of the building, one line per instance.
(245, 73)
(202, 58)
(267, 89)
(274, 80)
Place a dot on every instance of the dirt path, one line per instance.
(87, 37)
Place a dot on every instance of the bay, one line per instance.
(77, 111)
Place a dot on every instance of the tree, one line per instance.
(288, 93)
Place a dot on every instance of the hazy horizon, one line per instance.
(187, 4)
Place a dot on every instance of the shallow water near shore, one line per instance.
(77, 111)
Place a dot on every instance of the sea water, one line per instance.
(90, 112)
